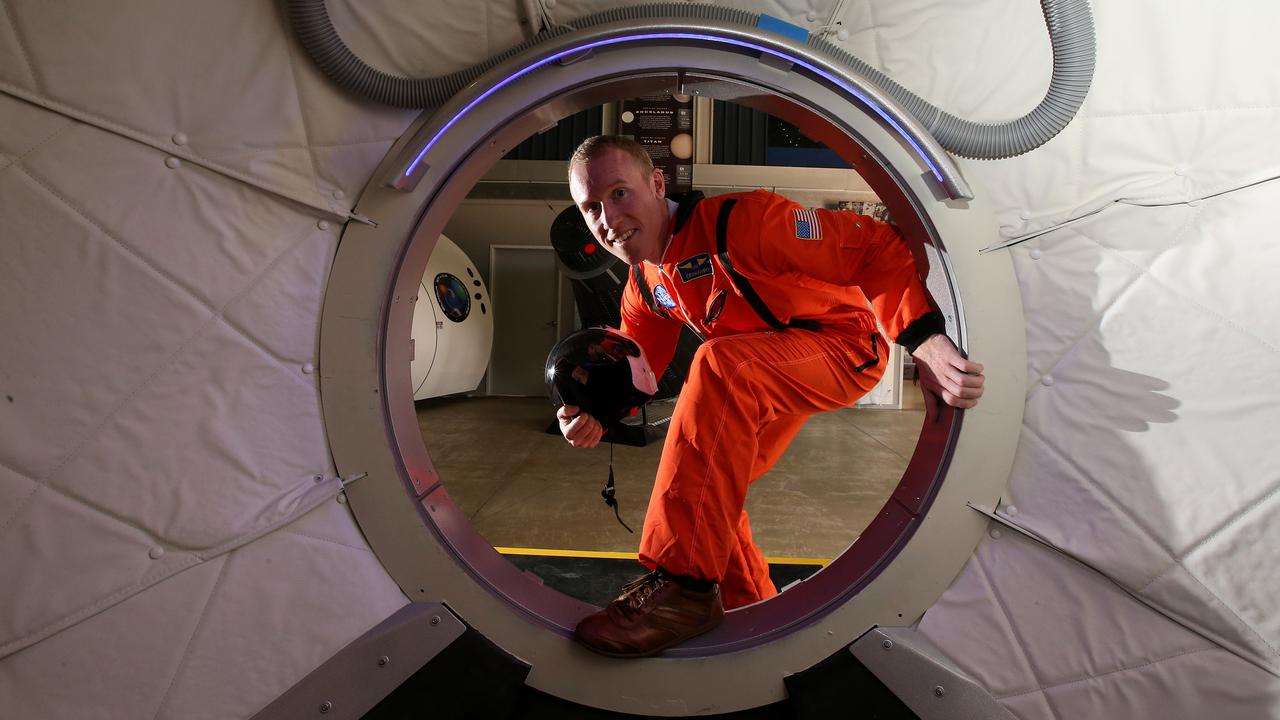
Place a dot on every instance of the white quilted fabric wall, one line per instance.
(1147, 452)
(173, 181)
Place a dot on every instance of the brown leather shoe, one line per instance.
(652, 614)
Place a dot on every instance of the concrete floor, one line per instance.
(524, 488)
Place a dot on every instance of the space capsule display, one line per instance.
(452, 325)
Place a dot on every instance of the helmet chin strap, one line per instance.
(609, 491)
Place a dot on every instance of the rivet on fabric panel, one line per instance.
(342, 498)
(1047, 380)
(172, 163)
(155, 553)
(1036, 253)
(995, 533)
(1180, 170)
(1025, 214)
(323, 224)
(339, 194)
(308, 368)
(179, 138)
(1011, 510)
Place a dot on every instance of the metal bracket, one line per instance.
(352, 478)
(923, 678)
(353, 681)
(362, 219)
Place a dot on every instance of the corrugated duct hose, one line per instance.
(1070, 24)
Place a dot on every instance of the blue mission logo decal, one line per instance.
(694, 267)
(663, 297)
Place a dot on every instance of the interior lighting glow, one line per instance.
(677, 36)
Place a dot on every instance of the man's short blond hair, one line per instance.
(594, 147)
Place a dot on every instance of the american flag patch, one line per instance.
(807, 225)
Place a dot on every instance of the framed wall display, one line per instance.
(663, 124)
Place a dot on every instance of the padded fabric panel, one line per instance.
(117, 663)
(460, 33)
(207, 399)
(156, 70)
(258, 633)
(1212, 683)
(27, 128)
(15, 64)
(160, 319)
(1108, 629)
(121, 191)
(1227, 556)
(159, 50)
(75, 350)
(1151, 346)
(1182, 106)
(72, 558)
(15, 489)
(390, 37)
(988, 63)
(1170, 453)
(191, 648)
(1050, 638)
(126, 371)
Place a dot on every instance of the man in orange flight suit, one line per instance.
(780, 295)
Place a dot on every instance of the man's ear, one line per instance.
(659, 183)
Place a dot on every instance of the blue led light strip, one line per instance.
(679, 36)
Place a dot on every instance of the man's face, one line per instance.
(624, 207)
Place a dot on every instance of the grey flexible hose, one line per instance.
(1071, 34)
(310, 21)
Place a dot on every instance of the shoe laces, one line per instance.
(635, 593)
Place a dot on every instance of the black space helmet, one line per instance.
(601, 371)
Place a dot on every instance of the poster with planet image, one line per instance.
(663, 124)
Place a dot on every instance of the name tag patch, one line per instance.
(694, 267)
(807, 225)
(663, 298)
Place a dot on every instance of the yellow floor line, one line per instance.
(566, 553)
(545, 552)
(798, 561)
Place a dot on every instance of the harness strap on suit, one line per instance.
(739, 281)
(642, 285)
(748, 293)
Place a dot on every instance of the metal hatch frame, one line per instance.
(920, 540)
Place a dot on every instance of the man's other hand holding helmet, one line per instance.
(579, 428)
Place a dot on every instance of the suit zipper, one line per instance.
(670, 281)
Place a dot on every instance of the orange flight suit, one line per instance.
(751, 387)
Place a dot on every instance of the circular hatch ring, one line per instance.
(926, 532)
